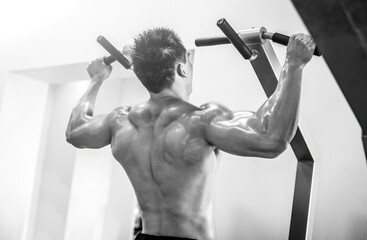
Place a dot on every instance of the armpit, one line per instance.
(123, 110)
(120, 113)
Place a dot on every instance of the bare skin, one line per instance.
(166, 145)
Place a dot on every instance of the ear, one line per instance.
(181, 70)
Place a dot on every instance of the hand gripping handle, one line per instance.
(283, 39)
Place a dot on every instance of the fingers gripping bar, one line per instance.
(116, 55)
(283, 39)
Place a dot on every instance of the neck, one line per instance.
(167, 94)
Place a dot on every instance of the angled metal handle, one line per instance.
(235, 39)
(116, 55)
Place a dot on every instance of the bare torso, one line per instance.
(171, 166)
(163, 144)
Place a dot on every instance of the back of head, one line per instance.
(154, 57)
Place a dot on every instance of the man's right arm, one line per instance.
(268, 131)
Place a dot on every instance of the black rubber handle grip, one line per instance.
(108, 60)
(211, 41)
(283, 39)
(116, 55)
(234, 38)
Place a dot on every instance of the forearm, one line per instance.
(85, 107)
(279, 114)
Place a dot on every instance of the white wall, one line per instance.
(21, 130)
(42, 33)
(58, 165)
(341, 171)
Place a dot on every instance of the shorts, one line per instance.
(142, 236)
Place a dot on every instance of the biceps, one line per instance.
(94, 133)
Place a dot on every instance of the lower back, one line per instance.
(165, 223)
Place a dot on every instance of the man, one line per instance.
(166, 145)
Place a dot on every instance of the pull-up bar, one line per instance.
(235, 38)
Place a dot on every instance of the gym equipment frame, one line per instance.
(254, 45)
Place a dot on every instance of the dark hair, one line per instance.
(154, 56)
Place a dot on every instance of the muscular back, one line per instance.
(161, 146)
(166, 148)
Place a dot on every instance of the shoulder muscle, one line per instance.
(211, 111)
